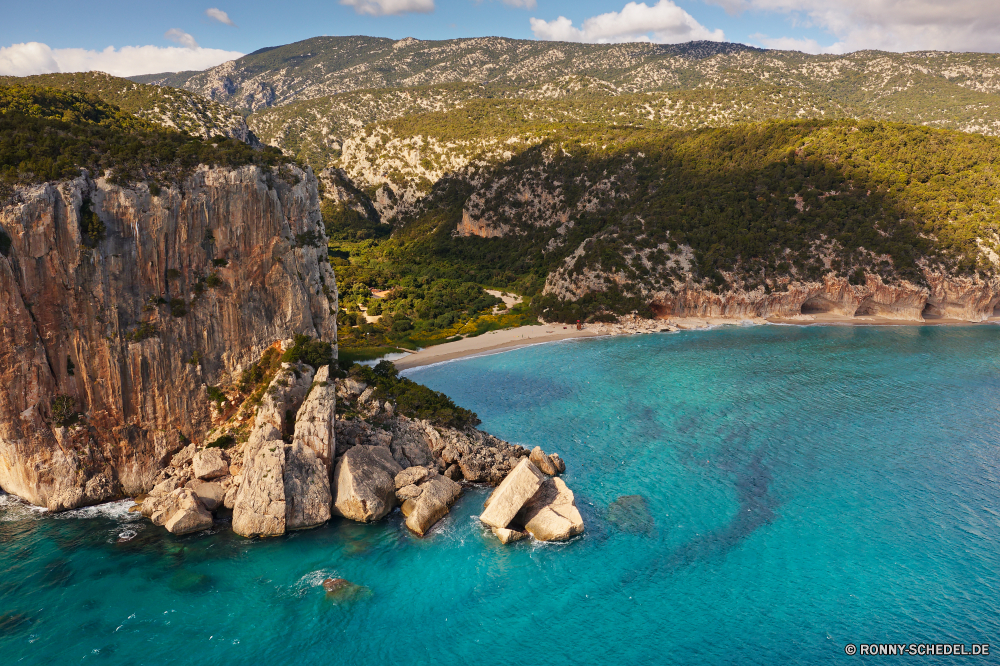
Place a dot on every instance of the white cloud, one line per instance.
(181, 38)
(521, 4)
(217, 14)
(795, 44)
(388, 7)
(664, 23)
(27, 59)
(37, 58)
(891, 25)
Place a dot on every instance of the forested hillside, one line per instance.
(169, 107)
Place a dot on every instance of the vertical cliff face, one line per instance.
(129, 330)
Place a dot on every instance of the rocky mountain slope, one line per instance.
(122, 307)
(760, 220)
(168, 107)
(309, 97)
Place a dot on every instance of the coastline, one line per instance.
(513, 338)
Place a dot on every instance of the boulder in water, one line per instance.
(507, 535)
(436, 496)
(548, 464)
(210, 493)
(190, 514)
(551, 514)
(511, 495)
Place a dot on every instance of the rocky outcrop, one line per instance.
(180, 511)
(528, 501)
(364, 486)
(550, 464)
(210, 464)
(551, 514)
(315, 425)
(512, 494)
(431, 496)
(283, 486)
(307, 488)
(108, 345)
(259, 509)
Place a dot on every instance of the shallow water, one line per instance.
(799, 489)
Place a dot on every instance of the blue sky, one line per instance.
(64, 35)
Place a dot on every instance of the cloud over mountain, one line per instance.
(37, 58)
(390, 7)
(890, 25)
(664, 22)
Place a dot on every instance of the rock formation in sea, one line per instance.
(318, 447)
(123, 308)
(529, 501)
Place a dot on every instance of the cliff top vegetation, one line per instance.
(51, 134)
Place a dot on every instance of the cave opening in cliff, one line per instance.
(818, 305)
(996, 310)
(866, 309)
(931, 311)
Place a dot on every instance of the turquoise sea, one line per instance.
(800, 489)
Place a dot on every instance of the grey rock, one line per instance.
(183, 456)
(259, 507)
(411, 476)
(209, 493)
(408, 492)
(307, 488)
(210, 464)
(316, 419)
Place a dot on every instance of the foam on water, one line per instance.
(806, 488)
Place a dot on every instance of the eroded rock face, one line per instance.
(307, 488)
(259, 508)
(315, 424)
(364, 483)
(284, 397)
(86, 323)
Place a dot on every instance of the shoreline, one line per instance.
(525, 336)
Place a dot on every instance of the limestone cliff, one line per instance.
(121, 307)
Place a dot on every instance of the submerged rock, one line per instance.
(340, 590)
(551, 514)
(364, 483)
(507, 535)
(512, 494)
(631, 514)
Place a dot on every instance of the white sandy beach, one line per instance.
(511, 338)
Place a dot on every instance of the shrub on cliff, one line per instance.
(412, 399)
(63, 410)
(305, 349)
